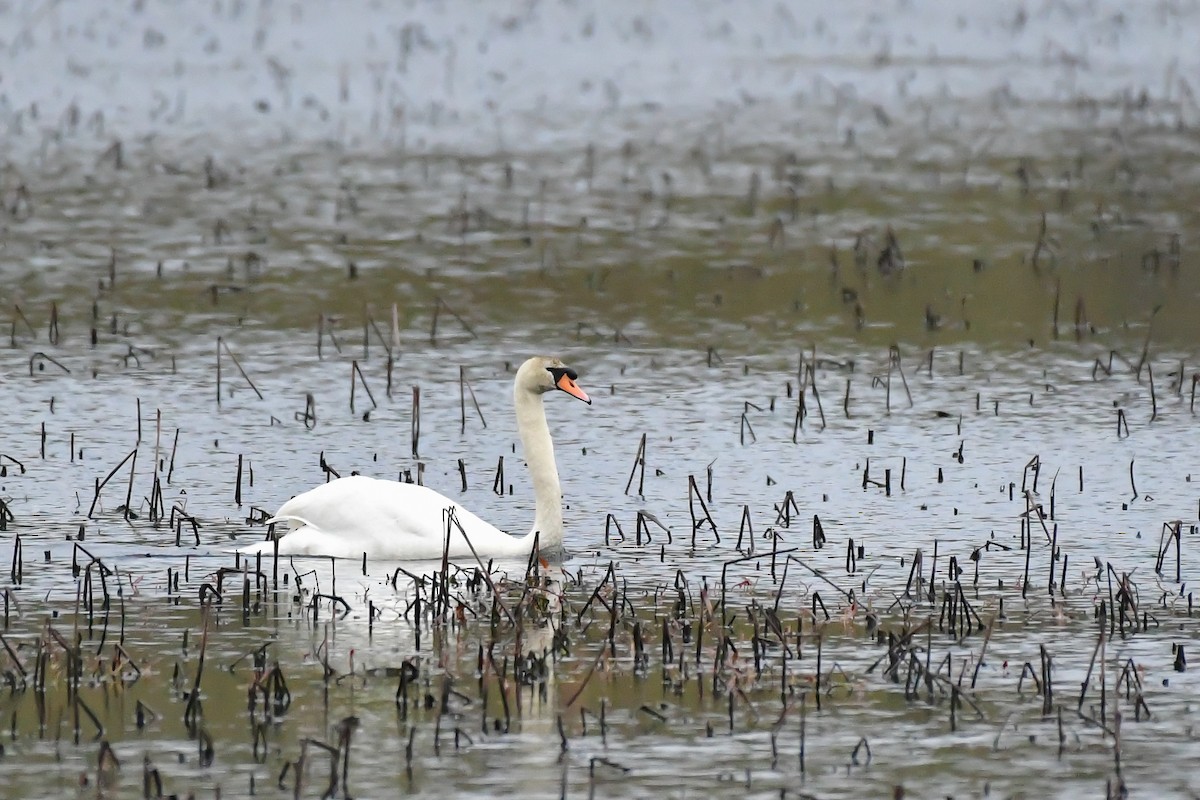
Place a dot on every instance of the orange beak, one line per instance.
(572, 388)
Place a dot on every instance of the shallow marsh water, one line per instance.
(691, 254)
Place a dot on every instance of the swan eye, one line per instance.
(558, 372)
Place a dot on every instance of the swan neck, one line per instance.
(543, 471)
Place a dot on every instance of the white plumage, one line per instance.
(357, 515)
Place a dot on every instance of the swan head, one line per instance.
(542, 374)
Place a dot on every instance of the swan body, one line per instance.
(357, 515)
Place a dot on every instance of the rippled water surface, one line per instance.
(902, 304)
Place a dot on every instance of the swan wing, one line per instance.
(387, 519)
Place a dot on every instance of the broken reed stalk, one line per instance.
(464, 385)
(894, 360)
(807, 378)
(639, 466)
(694, 497)
(322, 330)
(192, 711)
(746, 527)
(744, 424)
(222, 346)
(1040, 244)
(356, 376)
(452, 519)
(237, 492)
(40, 359)
(25, 319)
(394, 350)
(100, 484)
(17, 571)
(1057, 303)
(498, 481)
(171, 463)
(157, 439)
(1172, 531)
(416, 420)
(1145, 356)
(440, 304)
(369, 326)
(129, 491)
(1153, 396)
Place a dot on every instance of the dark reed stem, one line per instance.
(639, 464)
(416, 420)
(464, 385)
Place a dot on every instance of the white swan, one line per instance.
(350, 516)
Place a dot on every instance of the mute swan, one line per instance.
(350, 516)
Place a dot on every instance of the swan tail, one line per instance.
(293, 522)
(305, 540)
(266, 548)
(295, 525)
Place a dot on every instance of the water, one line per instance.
(691, 243)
